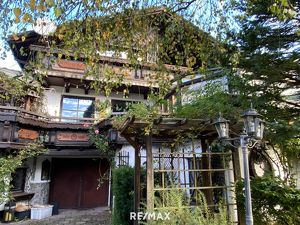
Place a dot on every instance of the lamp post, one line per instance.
(253, 130)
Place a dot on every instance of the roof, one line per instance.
(32, 38)
(10, 72)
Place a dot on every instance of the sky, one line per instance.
(9, 62)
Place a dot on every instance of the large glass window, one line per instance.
(77, 107)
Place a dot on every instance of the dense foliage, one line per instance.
(123, 186)
(14, 89)
(174, 203)
(147, 31)
(273, 201)
(264, 70)
(268, 48)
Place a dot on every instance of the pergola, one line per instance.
(164, 130)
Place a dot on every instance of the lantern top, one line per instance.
(220, 119)
(251, 112)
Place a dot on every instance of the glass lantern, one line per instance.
(113, 135)
(251, 121)
(222, 127)
(260, 129)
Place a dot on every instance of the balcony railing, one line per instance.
(11, 110)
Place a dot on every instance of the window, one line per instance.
(45, 170)
(18, 179)
(119, 106)
(77, 107)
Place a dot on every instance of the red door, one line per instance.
(74, 183)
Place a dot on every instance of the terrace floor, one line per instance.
(96, 216)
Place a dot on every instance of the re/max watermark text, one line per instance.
(149, 216)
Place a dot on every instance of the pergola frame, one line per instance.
(162, 130)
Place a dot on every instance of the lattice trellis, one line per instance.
(193, 171)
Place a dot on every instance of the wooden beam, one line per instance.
(137, 171)
(131, 141)
(126, 124)
(137, 182)
(207, 176)
(150, 176)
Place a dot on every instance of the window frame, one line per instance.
(77, 110)
(23, 181)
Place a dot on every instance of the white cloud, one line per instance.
(9, 61)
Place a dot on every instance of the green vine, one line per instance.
(101, 142)
(141, 111)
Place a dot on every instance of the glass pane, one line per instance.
(85, 104)
(70, 103)
(66, 113)
(80, 114)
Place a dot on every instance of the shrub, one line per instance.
(175, 203)
(273, 202)
(123, 190)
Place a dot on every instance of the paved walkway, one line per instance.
(96, 216)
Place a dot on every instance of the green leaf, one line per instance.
(17, 13)
(27, 18)
(57, 12)
(32, 4)
(50, 2)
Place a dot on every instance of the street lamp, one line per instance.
(253, 130)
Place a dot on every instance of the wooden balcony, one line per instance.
(19, 126)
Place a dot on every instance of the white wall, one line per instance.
(38, 170)
(53, 96)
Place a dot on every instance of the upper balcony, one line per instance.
(60, 70)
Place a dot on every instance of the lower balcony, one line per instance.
(18, 127)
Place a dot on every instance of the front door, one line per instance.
(74, 183)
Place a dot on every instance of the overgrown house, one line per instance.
(68, 173)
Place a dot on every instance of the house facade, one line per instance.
(68, 174)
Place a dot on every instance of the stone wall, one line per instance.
(41, 191)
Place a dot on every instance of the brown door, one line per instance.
(74, 183)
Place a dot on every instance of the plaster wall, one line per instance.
(34, 183)
(274, 160)
(53, 97)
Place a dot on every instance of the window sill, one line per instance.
(40, 182)
(22, 196)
